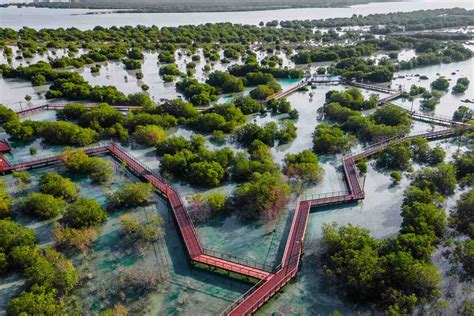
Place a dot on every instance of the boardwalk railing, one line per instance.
(244, 296)
(242, 261)
(272, 281)
(310, 197)
(59, 106)
(92, 149)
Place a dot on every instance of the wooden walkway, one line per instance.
(60, 106)
(285, 93)
(271, 280)
(4, 146)
(393, 95)
(257, 296)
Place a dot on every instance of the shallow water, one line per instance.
(449, 102)
(50, 18)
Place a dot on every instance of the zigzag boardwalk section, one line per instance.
(185, 224)
(186, 227)
(251, 301)
(270, 281)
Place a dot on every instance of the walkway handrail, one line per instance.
(309, 197)
(102, 144)
(242, 297)
(242, 261)
(59, 106)
(159, 178)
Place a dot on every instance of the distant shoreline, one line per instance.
(180, 8)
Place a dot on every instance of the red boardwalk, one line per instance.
(4, 146)
(231, 266)
(270, 282)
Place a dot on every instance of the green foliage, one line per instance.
(391, 115)
(267, 134)
(24, 130)
(3, 263)
(370, 128)
(302, 166)
(65, 133)
(367, 272)
(465, 166)
(360, 69)
(99, 117)
(131, 64)
(265, 195)
(467, 258)
(179, 109)
(462, 217)
(130, 195)
(395, 156)
(280, 106)
(53, 271)
(84, 213)
(149, 231)
(287, 132)
(72, 111)
(40, 300)
(58, 186)
(423, 153)
(423, 219)
(223, 117)
(463, 114)
(23, 256)
(6, 200)
(98, 169)
(13, 235)
(7, 115)
(206, 173)
(260, 161)
(461, 85)
(350, 98)
(332, 53)
(416, 90)
(175, 144)
(247, 105)
(199, 94)
(330, 139)
(262, 92)
(135, 119)
(218, 137)
(225, 82)
(149, 135)
(362, 166)
(441, 179)
(41, 205)
(430, 100)
(217, 202)
(166, 57)
(440, 84)
(396, 176)
(199, 166)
